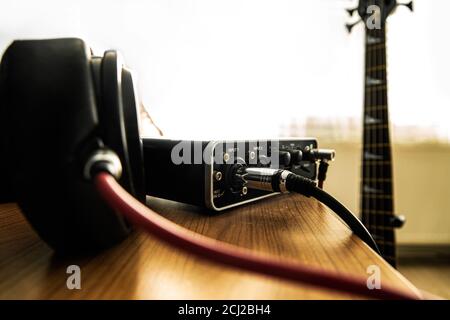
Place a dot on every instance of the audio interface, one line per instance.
(203, 173)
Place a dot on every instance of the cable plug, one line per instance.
(319, 154)
(277, 180)
(322, 172)
(104, 160)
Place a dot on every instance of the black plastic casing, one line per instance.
(195, 182)
(183, 182)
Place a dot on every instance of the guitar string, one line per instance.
(369, 132)
(378, 75)
(387, 204)
(366, 167)
(382, 131)
(389, 232)
(373, 133)
(380, 115)
(366, 132)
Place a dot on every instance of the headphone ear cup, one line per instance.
(50, 124)
(6, 194)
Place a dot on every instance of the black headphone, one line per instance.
(59, 105)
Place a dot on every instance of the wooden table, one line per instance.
(288, 226)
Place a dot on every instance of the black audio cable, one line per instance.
(322, 173)
(277, 180)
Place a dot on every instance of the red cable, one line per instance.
(119, 199)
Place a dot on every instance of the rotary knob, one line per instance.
(284, 158)
(296, 156)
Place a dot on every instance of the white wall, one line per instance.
(421, 187)
(265, 60)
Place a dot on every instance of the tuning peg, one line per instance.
(350, 26)
(398, 221)
(351, 10)
(409, 5)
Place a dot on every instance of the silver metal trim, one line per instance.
(107, 156)
(209, 176)
(209, 198)
(218, 175)
(284, 175)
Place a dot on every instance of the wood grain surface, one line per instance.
(288, 226)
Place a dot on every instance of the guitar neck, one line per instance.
(376, 185)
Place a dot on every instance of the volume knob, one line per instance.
(296, 156)
(284, 158)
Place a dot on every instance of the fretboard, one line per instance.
(376, 183)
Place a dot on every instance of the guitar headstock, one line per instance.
(374, 12)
